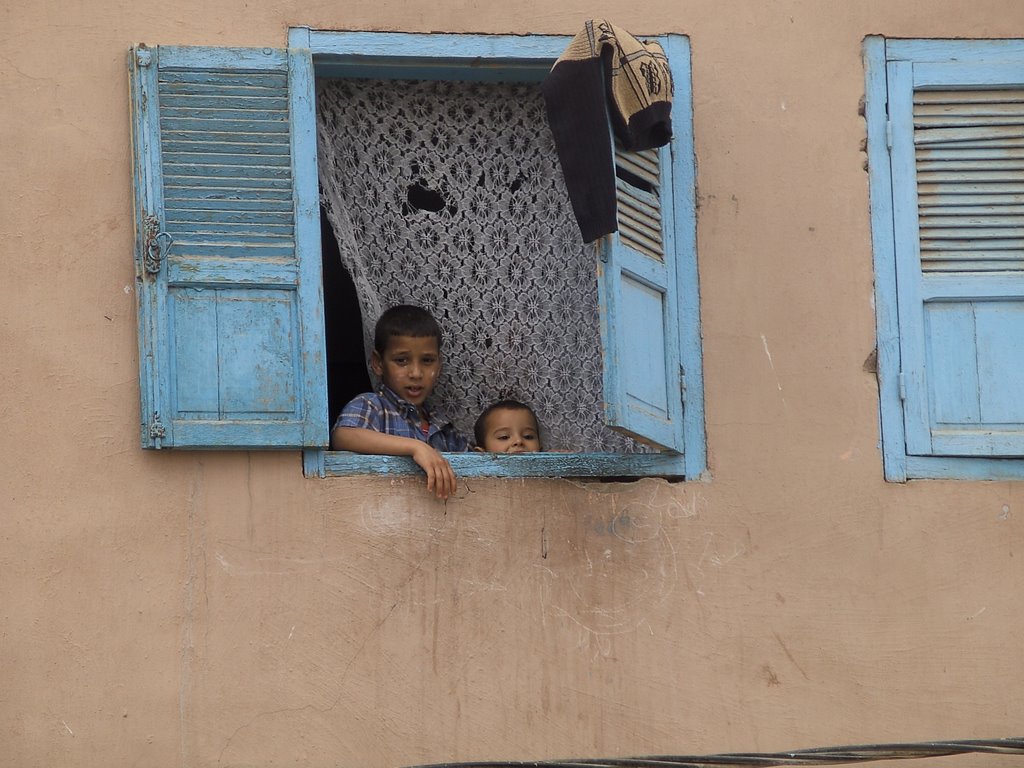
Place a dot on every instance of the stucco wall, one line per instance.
(201, 609)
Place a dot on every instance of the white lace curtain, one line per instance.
(449, 196)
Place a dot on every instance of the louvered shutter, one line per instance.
(227, 257)
(643, 383)
(958, 204)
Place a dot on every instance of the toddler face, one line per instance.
(511, 430)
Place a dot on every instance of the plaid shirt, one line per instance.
(384, 411)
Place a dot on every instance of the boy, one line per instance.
(394, 420)
(507, 426)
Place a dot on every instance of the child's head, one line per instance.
(407, 352)
(507, 426)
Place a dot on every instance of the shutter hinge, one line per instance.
(143, 56)
(682, 384)
(888, 134)
(157, 431)
(152, 249)
(903, 387)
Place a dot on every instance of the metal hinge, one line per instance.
(157, 431)
(903, 387)
(888, 134)
(682, 384)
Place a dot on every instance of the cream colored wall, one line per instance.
(217, 609)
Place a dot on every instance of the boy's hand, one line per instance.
(440, 476)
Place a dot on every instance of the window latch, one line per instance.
(153, 249)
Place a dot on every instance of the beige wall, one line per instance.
(202, 609)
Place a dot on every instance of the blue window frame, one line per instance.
(228, 255)
(945, 122)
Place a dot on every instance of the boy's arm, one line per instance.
(440, 476)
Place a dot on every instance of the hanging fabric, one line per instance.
(605, 73)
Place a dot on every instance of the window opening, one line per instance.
(343, 324)
(449, 195)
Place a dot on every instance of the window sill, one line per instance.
(344, 464)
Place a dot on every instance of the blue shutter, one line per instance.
(639, 305)
(958, 206)
(231, 331)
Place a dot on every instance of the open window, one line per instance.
(228, 253)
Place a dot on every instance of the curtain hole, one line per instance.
(422, 198)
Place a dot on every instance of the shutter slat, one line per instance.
(967, 113)
(972, 261)
(266, 147)
(968, 96)
(963, 153)
(223, 159)
(967, 211)
(953, 198)
(1006, 173)
(196, 217)
(983, 188)
(995, 241)
(270, 101)
(222, 170)
(996, 222)
(989, 133)
(927, 163)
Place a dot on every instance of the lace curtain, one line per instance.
(449, 195)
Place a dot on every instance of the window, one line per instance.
(228, 253)
(946, 158)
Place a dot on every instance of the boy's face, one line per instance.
(511, 430)
(409, 366)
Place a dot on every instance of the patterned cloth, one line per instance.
(384, 411)
(501, 266)
(605, 72)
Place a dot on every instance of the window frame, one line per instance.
(898, 463)
(529, 58)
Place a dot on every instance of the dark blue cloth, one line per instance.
(384, 411)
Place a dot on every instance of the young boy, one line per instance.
(507, 426)
(394, 420)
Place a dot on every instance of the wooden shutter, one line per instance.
(643, 381)
(958, 198)
(231, 331)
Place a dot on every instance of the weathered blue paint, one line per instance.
(979, 51)
(948, 257)
(684, 244)
(957, 468)
(886, 316)
(501, 465)
(231, 318)
(154, 431)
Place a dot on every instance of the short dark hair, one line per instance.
(404, 320)
(480, 428)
